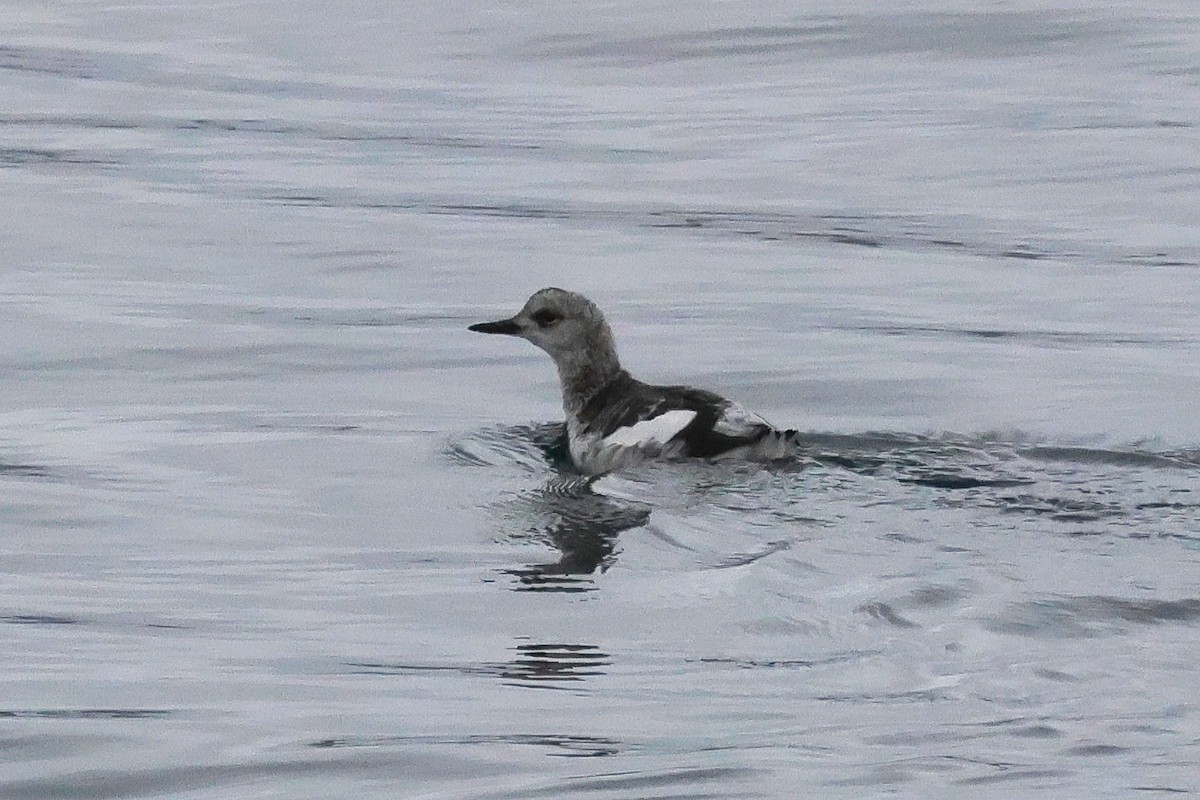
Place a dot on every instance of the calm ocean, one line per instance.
(274, 524)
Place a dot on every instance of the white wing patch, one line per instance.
(739, 423)
(653, 432)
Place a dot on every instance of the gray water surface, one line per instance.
(274, 524)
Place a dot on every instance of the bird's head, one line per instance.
(565, 324)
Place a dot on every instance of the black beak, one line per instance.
(508, 326)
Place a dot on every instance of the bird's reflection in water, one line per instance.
(577, 522)
(563, 511)
(533, 665)
(554, 665)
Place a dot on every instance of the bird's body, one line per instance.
(628, 421)
(615, 420)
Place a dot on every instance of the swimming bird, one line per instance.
(615, 420)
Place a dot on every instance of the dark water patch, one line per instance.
(1078, 617)
(410, 668)
(906, 538)
(513, 210)
(24, 470)
(59, 62)
(1011, 773)
(946, 480)
(936, 596)
(85, 713)
(650, 785)
(840, 237)
(908, 738)
(955, 36)
(1163, 789)
(789, 663)
(746, 559)
(896, 772)
(1060, 509)
(376, 320)
(1023, 253)
(853, 230)
(560, 745)
(1119, 458)
(36, 156)
(39, 619)
(302, 199)
(168, 626)
(751, 663)
(1190, 456)
(717, 43)
(1037, 732)
(888, 698)
(1044, 337)
(1020, 727)
(1144, 611)
(884, 612)
(112, 623)
(1167, 506)
(1097, 750)
(76, 121)
(767, 226)
(1158, 260)
(1128, 124)
(268, 126)
(312, 427)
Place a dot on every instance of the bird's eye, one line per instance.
(545, 318)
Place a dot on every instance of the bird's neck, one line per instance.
(582, 379)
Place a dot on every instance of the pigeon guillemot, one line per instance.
(613, 419)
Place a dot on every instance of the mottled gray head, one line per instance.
(569, 327)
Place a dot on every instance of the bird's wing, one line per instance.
(718, 425)
(653, 431)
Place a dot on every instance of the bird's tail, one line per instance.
(780, 444)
